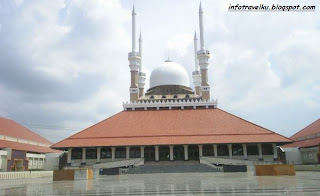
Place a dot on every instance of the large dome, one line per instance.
(169, 73)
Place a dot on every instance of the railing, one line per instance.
(26, 174)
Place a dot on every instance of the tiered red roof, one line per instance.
(12, 129)
(311, 130)
(165, 127)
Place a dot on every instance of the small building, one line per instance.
(305, 149)
(170, 121)
(22, 149)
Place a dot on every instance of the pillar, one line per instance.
(83, 155)
(69, 155)
(215, 150)
(275, 152)
(113, 153)
(245, 153)
(142, 151)
(200, 150)
(260, 151)
(98, 154)
(156, 153)
(230, 150)
(128, 152)
(185, 152)
(171, 153)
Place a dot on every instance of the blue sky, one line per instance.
(64, 63)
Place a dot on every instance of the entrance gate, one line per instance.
(193, 152)
(164, 153)
(149, 153)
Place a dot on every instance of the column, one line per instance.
(156, 153)
(185, 152)
(171, 153)
(113, 153)
(98, 154)
(230, 150)
(200, 150)
(260, 151)
(83, 155)
(142, 151)
(215, 150)
(69, 155)
(245, 153)
(275, 152)
(128, 152)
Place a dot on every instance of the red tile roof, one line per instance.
(303, 144)
(13, 129)
(26, 147)
(310, 129)
(195, 126)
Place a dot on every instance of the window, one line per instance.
(120, 152)
(207, 150)
(163, 96)
(237, 149)
(175, 96)
(76, 153)
(252, 149)
(106, 152)
(223, 150)
(135, 152)
(267, 149)
(91, 153)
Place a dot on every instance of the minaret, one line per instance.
(134, 63)
(142, 76)
(196, 73)
(203, 57)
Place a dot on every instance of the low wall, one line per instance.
(275, 170)
(26, 174)
(307, 167)
(72, 174)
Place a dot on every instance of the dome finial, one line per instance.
(168, 60)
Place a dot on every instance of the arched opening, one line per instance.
(105, 153)
(207, 150)
(237, 149)
(223, 150)
(76, 153)
(91, 153)
(135, 152)
(120, 152)
(193, 152)
(178, 153)
(164, 153)
(149, 153)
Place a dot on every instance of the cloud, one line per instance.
(64, 63)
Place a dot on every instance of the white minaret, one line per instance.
(196, 74)
(142, 76)
(134, 62)
(203, 58)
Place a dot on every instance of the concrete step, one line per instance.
(173, 168)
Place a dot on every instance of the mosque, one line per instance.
(170, 121)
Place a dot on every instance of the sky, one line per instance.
(64, 66)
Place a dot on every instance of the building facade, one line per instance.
(171, 121)
(21, 149)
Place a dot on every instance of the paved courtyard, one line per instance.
(304, 183)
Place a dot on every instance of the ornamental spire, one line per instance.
(201, 27)
(140, 51)
(195, 41)
(133, 29)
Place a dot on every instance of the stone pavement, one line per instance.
(304, 183)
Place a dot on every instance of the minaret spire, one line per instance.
(140, 51)
(134, 62)
(133, 29)
(201, 27)
(196, 74)
(203, 58)
(195, 41)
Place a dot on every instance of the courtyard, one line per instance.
(304, 183)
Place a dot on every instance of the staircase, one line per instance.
(171, 167)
